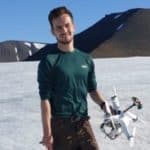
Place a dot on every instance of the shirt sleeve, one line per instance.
(45, 79)
(92, 84)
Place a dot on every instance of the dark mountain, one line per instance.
(130, 39)
(120, 34)
(102, 30)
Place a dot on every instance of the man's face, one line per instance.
(63, 29)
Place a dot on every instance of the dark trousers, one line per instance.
(73, 134)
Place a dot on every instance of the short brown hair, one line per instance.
(56, 12)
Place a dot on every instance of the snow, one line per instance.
(30, 52)
(20, 119)
(16, 51)
(28, 44)
(121, 26)
(38, 45)
(117, 16)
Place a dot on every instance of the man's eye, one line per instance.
(59, 27)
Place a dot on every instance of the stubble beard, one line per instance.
(64, 42)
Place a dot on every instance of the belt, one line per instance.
(78, 118)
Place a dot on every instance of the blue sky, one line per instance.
(27, 19)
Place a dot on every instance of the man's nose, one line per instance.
(64, 29)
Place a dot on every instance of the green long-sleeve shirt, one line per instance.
(65, 78)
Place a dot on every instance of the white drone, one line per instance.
(118, 123)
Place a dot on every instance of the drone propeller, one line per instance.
(136, 102)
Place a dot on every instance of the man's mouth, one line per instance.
(64, 35)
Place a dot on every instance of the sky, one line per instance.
(27, 20)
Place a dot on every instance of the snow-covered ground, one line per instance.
(20, 122)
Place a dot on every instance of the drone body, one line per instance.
(118, 123)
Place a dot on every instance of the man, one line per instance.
(65, 76)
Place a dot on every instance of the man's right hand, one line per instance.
(108, 109)
(47, 141)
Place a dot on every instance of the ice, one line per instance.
(20, 118)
